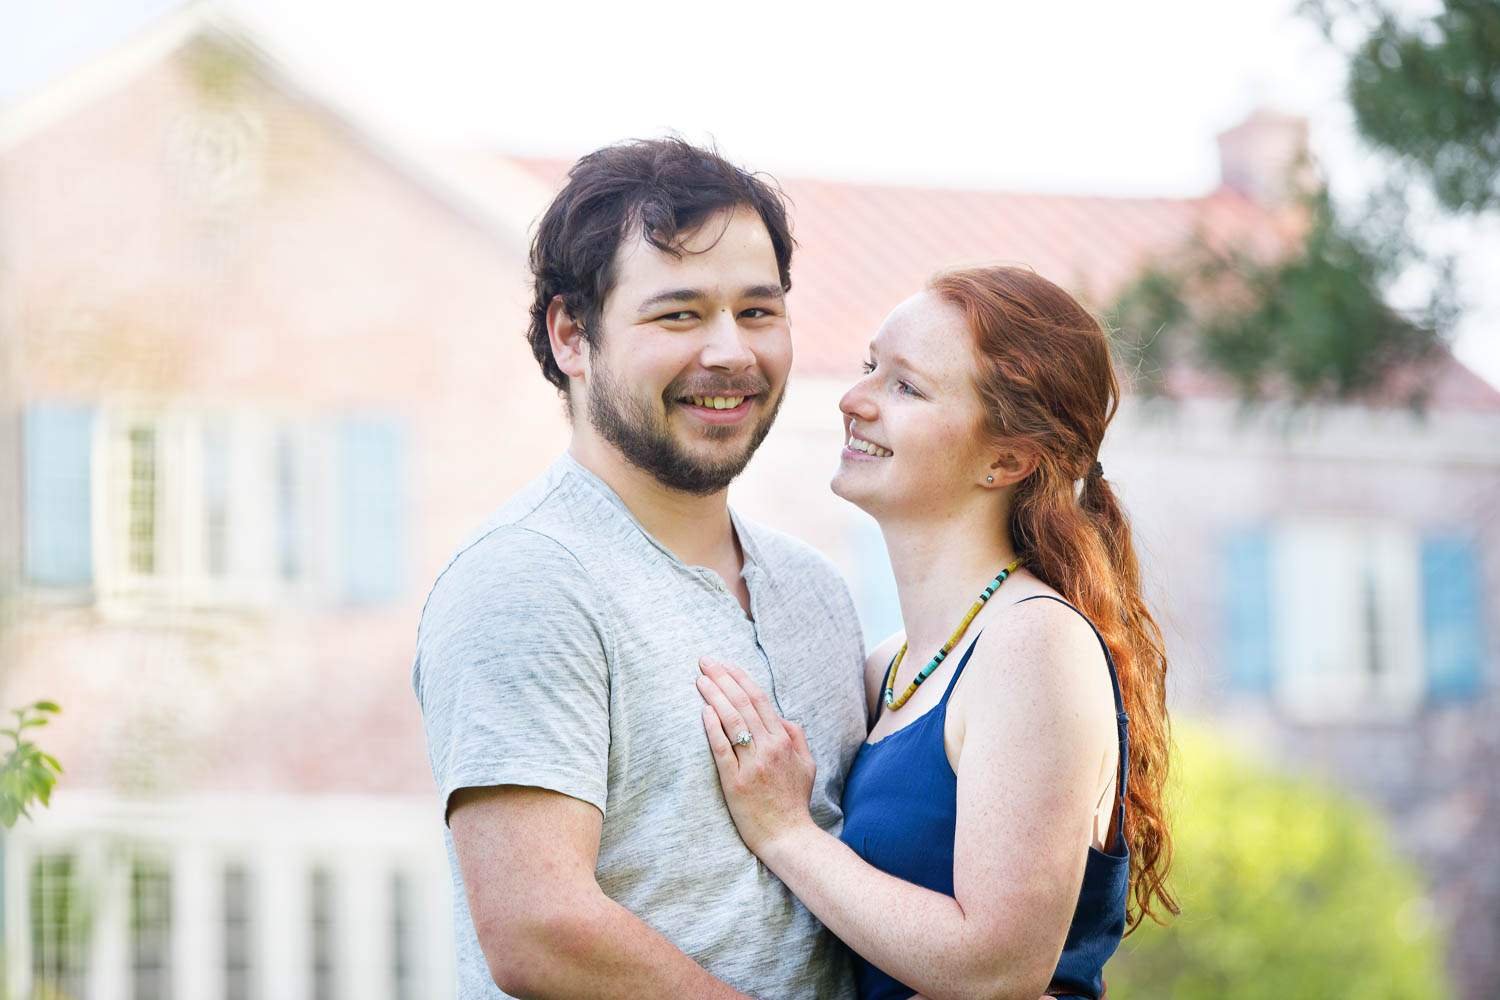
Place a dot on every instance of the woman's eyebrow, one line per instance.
(901, 361)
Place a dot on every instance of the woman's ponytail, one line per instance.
(1046, 379)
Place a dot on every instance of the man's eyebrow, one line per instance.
(763, 292)
(675, 295)
(679, 296)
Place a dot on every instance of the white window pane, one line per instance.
(322, 915)
(1346, 618)
(216, 444)
(142, 499)
(239, 942)
(150, 930)
(59, 931)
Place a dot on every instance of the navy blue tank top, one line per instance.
(900, 814)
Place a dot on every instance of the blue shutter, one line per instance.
(372, 509)
(1247, 609)
(875, 585)
(1452, 618)
(59, 537)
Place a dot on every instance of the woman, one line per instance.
(1001, 808)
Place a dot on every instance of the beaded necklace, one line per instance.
(891, 701)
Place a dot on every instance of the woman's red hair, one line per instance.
(1047, 382)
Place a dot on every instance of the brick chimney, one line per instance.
(1266, 158)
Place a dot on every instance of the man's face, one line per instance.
(689, 368)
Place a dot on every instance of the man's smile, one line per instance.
(718, 409)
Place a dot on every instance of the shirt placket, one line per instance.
(759, 603)
(754, 583)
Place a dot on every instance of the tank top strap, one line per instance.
(942, 703)
(1122, 720)
(958, 670)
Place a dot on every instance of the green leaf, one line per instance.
(46, 706)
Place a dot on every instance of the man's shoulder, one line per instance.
(555, 517)
(535, 536)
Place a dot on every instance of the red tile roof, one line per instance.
(862, 248)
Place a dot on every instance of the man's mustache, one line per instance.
(757, 386)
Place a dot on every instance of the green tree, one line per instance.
(1311, 325)
(1318, 323)
(1288, 890)
(1426, 92)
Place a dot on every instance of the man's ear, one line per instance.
(1013, 463)
(566, 336)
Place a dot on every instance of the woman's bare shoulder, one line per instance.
(1055, 642)
(877, 663)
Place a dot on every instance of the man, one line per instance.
(558, 652)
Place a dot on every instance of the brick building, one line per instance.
(263, 370)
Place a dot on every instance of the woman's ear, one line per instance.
(566, 336)
(1012, 463)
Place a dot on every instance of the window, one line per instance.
(1326, 616)
(216, 550)
(217, 508)
(150, 930)
(59, 934)
(142, 499)
(140, 502)
(404, 926)
(289, 540)
(173, 506)
(1347, 640)
(324, 949)
(239, 939)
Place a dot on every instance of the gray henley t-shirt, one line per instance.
(559, 648)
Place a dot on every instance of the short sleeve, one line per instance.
(511, 670)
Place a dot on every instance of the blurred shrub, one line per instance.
(1288, 890)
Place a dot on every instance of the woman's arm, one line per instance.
(1034, 736)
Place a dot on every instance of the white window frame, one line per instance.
(1332, 581)
(279, 841)
(183, 576)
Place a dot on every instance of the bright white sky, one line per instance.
(1080, 96)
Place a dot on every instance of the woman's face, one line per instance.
(914, 441)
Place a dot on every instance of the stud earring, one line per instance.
(989, 479)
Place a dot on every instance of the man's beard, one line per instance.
(645, 439)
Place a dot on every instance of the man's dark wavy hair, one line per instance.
(662, 188)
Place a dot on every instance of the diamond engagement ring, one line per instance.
(742, 738)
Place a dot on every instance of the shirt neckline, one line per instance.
(753, 563)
